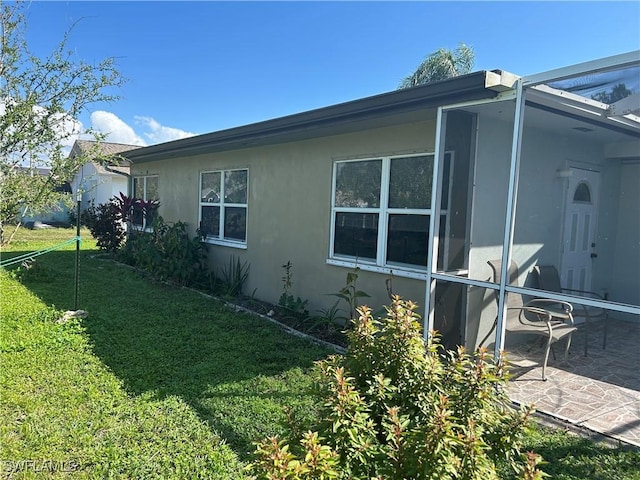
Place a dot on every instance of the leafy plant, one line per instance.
(168, 253)
(395, 407)
(234, 276)
(126, 205)
(33, 271)
(105, 225)
(350, 295)
(287, 300)
(88, 216)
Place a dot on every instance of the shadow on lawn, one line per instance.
(235, 370)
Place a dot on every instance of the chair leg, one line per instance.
(546, 359)
(566, 350)
(586, 333)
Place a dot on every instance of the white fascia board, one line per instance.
(627, 106)
(615, 62)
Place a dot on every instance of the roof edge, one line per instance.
(489, 84)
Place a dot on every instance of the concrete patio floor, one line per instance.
(599, 392)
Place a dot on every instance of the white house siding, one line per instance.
(98, 187)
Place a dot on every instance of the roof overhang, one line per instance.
(400, 106)
(569, 91)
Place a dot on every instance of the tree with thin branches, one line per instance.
(41, 99)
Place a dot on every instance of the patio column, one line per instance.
(434, 223)
(510, 217)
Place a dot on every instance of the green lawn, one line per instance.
(162, 382)
(156, 382)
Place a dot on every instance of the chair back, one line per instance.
(548, 278)
(513, 299)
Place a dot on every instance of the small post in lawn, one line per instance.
(78, 200)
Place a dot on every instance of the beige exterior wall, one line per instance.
(289, 209)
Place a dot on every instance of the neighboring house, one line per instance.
(425, 185)
(104, 177)
(57, 215)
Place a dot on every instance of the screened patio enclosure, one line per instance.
(545, 174)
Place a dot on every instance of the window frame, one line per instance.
(222, 205)
(381, 264)
(144, 227)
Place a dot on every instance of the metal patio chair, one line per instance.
(549, 280)
(539, 316)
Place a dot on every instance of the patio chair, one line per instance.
(539, 316)
(549, 280)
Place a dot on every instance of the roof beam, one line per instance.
(615, 62)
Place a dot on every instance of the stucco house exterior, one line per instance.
(425, 186)
(104, 177)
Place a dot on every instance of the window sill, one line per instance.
(396, 271)
(141, 229)
(225, 243)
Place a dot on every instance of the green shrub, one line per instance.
(105, 226)
(167, 253)
(395, 407)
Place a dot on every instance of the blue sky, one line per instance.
(197, 67)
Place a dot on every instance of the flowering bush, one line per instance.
(395, 407)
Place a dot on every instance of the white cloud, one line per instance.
(117, 131)
(69, 129)
(159, 133)
(65, 128)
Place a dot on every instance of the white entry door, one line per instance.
(579, 240)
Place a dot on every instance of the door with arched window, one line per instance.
(579, 249)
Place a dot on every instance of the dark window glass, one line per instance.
(235, 186)
(446, 177)
(356, 234)
(210, 223)
(210, 188)
(137, 216)
(407, 239)
(235, 223)
(582, 194)
(410, 182)
(358, 184)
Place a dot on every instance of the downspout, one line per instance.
(510, 218)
